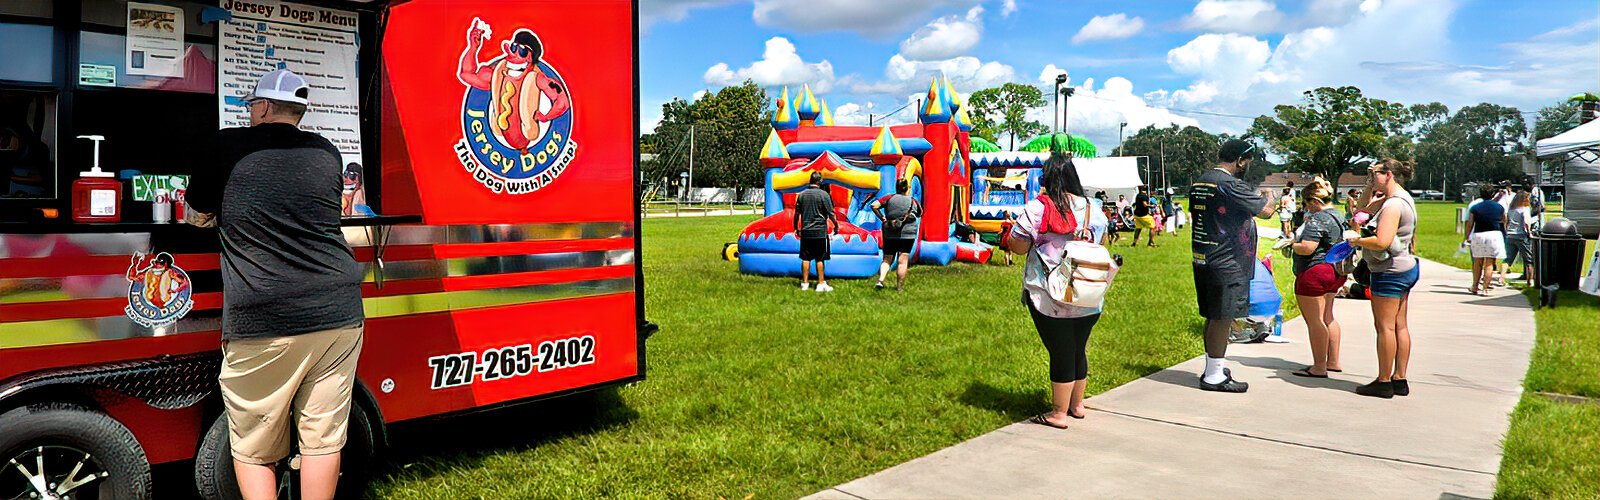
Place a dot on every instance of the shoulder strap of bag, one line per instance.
(1084, 222)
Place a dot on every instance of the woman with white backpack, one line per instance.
(1065, 278)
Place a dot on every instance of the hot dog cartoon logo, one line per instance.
(158, 291)
(516, 117)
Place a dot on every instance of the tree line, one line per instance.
(1337, 130)
(729, 126)
(1330, 131)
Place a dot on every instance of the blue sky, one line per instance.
(1143, 62)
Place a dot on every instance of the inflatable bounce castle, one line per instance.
(1004, 181)
(859, 165)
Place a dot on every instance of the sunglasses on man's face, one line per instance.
(521, 50)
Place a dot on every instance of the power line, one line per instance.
(1180, 110)
(1225, 115)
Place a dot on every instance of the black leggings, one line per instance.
(1066, 339)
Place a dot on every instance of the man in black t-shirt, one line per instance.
(291, 305)
(813, 223)
(1224, 254)
(1144, 217)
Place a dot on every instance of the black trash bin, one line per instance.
(1558, 248)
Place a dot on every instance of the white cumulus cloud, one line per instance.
(1398, 50)
(1110, 27)
(966, 73)
(1048, 75)
(1234, 16)
(1098, 113)
(780, 65)
(1007, 8)
(945, 37)
(850, 114)
(1222, 64)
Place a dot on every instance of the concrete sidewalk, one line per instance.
(1161, 437)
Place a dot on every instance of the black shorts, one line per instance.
(1222, 294)
(893, 246)
(814, 249)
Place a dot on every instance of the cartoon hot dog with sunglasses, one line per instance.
(518, 88)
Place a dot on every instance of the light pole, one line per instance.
(1119, 138)
(1060, 79)
(1163, 157)
(688, 177)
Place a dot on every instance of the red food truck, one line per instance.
(491, 189)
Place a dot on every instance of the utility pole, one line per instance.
(690, 184)
(1163, 157)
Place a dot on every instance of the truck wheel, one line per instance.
(65, 451)
(213, 463)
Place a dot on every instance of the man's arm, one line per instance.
(1246, 197)
(207, 178)
(798, 213)
(468, 70)
(559, 102)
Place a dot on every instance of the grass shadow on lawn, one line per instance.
(1014, 404)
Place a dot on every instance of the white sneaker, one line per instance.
(1276, 339)
(823, 287)
(806, 286)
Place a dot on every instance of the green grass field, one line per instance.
(758, 388)
(1553, 447)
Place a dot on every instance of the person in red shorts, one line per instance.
(1315, 281)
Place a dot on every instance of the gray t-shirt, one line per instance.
(900, 208)
(1397, 258)
(813, 206)
(286, 268)
(1326, 228)
(1519, 218)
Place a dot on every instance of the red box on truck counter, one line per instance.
(492, 193)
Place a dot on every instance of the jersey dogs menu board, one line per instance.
(315, 42)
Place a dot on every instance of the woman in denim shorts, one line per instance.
(1387, 250)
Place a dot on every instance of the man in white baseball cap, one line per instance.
(284, 94)
(292, 318)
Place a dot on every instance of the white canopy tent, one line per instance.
(1580, 147)
(1116, 175)
(1582, 137)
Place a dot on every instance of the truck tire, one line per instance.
(85, 455)
(213, 463)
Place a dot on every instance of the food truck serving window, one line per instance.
(156, 78)
(28, 106)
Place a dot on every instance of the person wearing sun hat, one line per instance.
(292, 317)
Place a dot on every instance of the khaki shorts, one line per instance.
(307, 379)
